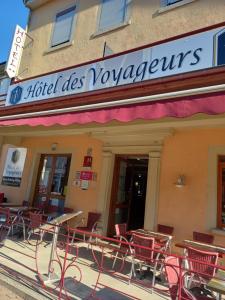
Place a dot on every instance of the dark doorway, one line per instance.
(128, 192)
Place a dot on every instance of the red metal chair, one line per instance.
(121, 235)
(36, 220)
(143, 254)
(201, 265)
(173, 272)
(203, 237)
(165, 229)
(6, 223)
(121, 230)
(68, 210)
(91, 227)
(2, 195)
(52, 208)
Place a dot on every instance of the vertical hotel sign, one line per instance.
(14, 166)
(15, 52)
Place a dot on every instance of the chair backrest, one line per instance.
(35, 220)
(42, 206)
(68, 210)
(144, 241)
(203, 237)
(4, 215)
(172, 271)
(25, 203)
(121, 229)
(92, 219)
(165, 229)
(52, 208)
(2, 197)
(198, 261)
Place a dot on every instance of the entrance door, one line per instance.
(51, 186)
(128, 192)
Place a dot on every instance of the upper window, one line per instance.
(63, 27)
(113, 13)
(169, 2)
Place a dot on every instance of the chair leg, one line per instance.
(132, 270)
(115, 259)
(73, 238)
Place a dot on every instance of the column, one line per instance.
(152, 193)
(105, 188)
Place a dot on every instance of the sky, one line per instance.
(12, 12)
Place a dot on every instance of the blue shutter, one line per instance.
(163, 2)
(63, 26)
(172, 1)
(113, 12)
(168, 2)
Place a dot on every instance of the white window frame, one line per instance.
(125, 22)
(70, 42)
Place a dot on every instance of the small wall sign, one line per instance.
(14, 166)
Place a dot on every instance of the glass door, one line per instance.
(51, 187)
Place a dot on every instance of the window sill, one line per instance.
(102, 32)
(59, 47)
(218, 231)
(171, 7)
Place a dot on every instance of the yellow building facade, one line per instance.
(145, 171)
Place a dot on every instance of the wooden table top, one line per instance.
(202, 246)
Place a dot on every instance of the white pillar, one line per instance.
(105, 188)
(152, 193)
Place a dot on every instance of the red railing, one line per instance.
(108, 263)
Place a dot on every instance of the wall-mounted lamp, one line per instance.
(180, 181)
(54, 146)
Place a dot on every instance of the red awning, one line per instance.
(178, 108)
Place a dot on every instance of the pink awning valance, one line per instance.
(178, 108)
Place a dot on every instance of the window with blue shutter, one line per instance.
(63, 27)
(169, 2)
(113, 13)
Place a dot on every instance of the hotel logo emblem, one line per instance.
(16, 95)
(219, 48)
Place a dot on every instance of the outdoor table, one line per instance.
(217, 284)
(51, 277)
(202, 246)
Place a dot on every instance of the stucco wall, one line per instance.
(146, 27)
(188, 208)
(76, 145)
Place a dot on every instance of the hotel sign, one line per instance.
(14, 166)
(191, 53)
(15, 52)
